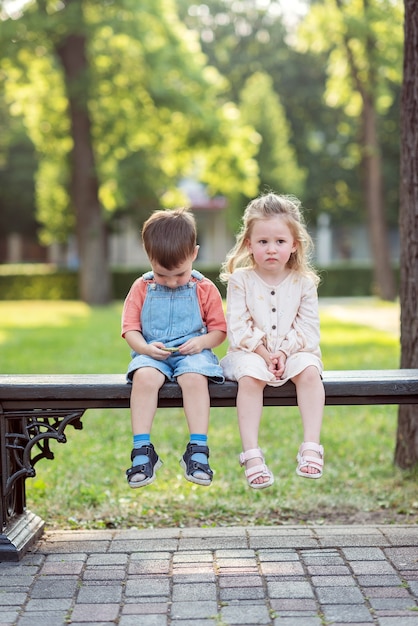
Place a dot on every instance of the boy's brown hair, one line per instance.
(169, 237)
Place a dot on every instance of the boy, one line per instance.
(172, 318)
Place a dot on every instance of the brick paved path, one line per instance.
(273, 576)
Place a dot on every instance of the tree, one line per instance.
(95, 285)
(361, 66)
(247, 38)
(406, 453)
(120, 106)
(261, 107)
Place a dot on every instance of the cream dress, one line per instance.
(282, 317)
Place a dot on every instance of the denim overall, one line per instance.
(173, 316)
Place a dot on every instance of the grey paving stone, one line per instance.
(291, 541)
(403, 558)
(411, 620)
(289, 589)
(401, 535)
(140, 588)
(190, 577)
(146, 546)
(320, 556)
(65, 557)
(145, 608)
(95, 613)
(47, 618)
(294, 604)
(381, 580)
(53, 604)
(347, 613)
(392, 603)
(108, 559)
(328, 570)
(240, 581)
(363, 554)
(197, 622)
(333, 581)
(104, 573)
(339, 595)
(61, 568)
(151, 620)
(50, 587)
(193, 557)
(13, 598)
(9, 616)
(212, 543)
(372, 567)
(239, 593)
(354, 540)
(99, 595)
(15, 581)
(194, 592)
(287, 568)
(191, 610)
(149, 566)
(244, 614)
(277, 555)
(297, 620)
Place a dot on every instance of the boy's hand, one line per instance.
(192, 346)
(158, 351)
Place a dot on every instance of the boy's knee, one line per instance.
(148, 377)
(193, 379)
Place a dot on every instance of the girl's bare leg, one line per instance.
(249, 409)
(311, 401)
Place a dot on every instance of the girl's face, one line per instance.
(177, 277)
(271, 244)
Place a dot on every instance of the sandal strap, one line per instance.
(256, 472)
(144, 468)
(314, 447)
(193, 466)
(254, 453)
(310, 461)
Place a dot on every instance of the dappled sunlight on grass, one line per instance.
(36, 313)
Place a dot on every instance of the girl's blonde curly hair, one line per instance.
(262, 208)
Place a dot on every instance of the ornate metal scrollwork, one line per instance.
(24, 432)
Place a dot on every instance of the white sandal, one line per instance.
(257, 471)
(310, 461)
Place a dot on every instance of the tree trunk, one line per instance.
(373, 191)
(91, 228)
(406, 453)
(371, 163)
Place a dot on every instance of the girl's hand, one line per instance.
(277, 364)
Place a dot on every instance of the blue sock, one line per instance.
(139, 441)
(201, 440)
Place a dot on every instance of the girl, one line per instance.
(273, 328)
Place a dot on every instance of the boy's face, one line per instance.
(177, 277)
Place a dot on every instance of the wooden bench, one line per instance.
(37, 409)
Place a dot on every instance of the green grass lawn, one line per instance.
(85, 486)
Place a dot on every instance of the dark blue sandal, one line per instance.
(148, 469)
(190, 466)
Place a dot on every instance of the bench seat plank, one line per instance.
(347, 387)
